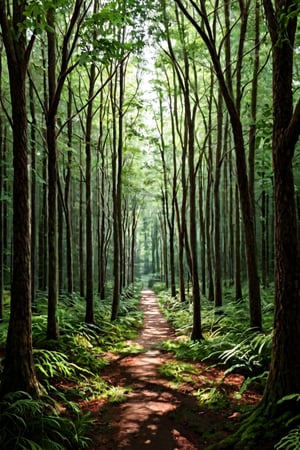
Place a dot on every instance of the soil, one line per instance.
(157, 413)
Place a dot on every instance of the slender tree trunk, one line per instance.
(43, 221)
(52, 325)
(117, 194)
(89, 314)
(217, 236)
(238, 283)
(69, 250)
(202, 231)
(33, 192)
(234, 113)
(81, 234)
(252, 129)
(264, 271)
(60, 244)
(102, 232)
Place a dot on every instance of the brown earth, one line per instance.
(158, 414)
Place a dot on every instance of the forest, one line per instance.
(148, 145)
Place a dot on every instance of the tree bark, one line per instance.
(89, 313)
(19, 372)
(237, 129)
(285, 366)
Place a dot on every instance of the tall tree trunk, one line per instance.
(117, 192)
(69, 250)
(202, 230)
(52, 324)
(285, 365)
(33, 191)
(169, 203)
(18, 371)
(234, 113)
(81, 233)
(217, 235)
(238, 283)
(89, 313)
(1, 201)
(43, 221)
(60, 244)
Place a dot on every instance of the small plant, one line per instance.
(179, 371)
(52, 365)
(27, 423)
(251, 355)
(212, 397)
(289, 442)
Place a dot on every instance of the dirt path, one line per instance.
(157, 415)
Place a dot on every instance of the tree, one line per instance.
(284, 372)
(55, 86)
(204, 30)
(19, 371)
(283, 379)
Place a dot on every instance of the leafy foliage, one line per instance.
(69, 370)
(178, 371)
(289, 442)
(36, 424)
(227, 341)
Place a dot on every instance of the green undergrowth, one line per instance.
(179, 371)
(228, 340)
(229, 343)
(69, 372)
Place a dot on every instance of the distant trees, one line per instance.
(44, 189)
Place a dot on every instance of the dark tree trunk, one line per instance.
(69, 250)
(117, 192)
(18, 372)
(264, 256)
(1, 201)
(238, 283)
(285, 366)
(217, 235)
(103, 230)
(52, 324)
(33, 192)
(233, 107)
(43, 233)
(89, 313)
(60, 244)
(202, 231)
(81, 234)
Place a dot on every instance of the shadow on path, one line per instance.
(146, 419)
(156, 415)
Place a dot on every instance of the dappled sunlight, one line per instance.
(169, 404)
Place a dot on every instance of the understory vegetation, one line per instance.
(228, 339)
(69, 372)
(228, 342)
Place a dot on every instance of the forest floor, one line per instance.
(163, 413)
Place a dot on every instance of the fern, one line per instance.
(289, 442)
(35, 424)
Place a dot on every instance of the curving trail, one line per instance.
(156, 415)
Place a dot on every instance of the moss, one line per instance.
(257, 430)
